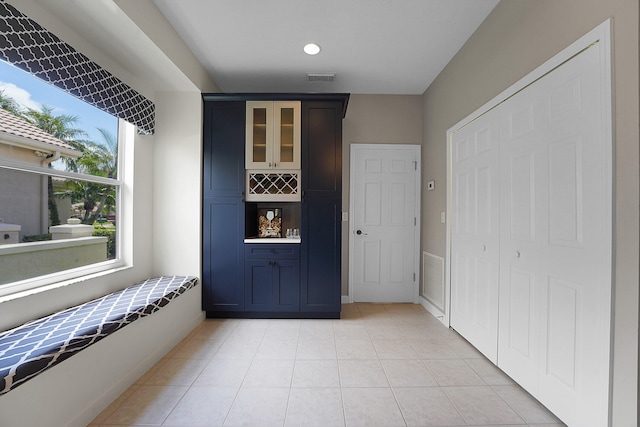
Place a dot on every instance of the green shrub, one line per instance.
(36, 238)
(110, 234)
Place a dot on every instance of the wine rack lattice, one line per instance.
(273, 186)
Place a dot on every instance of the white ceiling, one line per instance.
(373, 46)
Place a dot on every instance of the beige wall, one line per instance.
(177, 195)
(375, 119)
(516, 38)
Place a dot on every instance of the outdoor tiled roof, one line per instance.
(14, 125)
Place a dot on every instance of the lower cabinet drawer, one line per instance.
(275, 251)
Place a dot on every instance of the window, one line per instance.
(60, 192)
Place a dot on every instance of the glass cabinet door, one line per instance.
(259, 134)
(287, 135)
(273, 135)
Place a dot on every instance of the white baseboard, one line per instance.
(433, 310)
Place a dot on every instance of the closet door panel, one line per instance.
(521, 309)
(574, 364)
(523, 224)
(475, 234)
(556, 227)
(522, 202)
(562, 325)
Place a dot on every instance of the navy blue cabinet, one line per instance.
(321, 208)
(223, 149)
(322, 149)
(265, 279)
(223, 206)
(222, 255)
(272, 277)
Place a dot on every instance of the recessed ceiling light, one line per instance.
(311, 49)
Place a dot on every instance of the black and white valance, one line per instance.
(32, 48)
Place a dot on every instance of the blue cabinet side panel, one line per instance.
(321, 256)
(223, 254)
(223, 149)
(321, 150)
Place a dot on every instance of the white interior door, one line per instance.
(384, 223)
(475, 234)
(555, 286)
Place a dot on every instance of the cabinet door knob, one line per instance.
(484, 248)
(517, 254)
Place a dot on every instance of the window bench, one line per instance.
(29, 349)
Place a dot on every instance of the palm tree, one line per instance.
(61, 127)
(9, 104)
(100, 159)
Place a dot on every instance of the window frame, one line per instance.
(125, 135)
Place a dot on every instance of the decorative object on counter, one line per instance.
(269, 223)
(293, 233)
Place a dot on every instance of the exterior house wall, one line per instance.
(20, 154)
(17, 202)
(515, 39)
(17, 205)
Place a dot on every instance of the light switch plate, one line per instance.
(442, 217)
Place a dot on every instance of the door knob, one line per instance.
(359, 232)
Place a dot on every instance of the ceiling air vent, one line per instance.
(320, 77)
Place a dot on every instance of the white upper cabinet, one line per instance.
(273, 135)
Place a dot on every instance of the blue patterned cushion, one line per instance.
(29, 349)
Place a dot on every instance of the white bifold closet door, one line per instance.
(531, 238)
(475, 231)
(555, 277)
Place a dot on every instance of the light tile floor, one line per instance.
(380, 365)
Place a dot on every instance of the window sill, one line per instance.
(25, 288)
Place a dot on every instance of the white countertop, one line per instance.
(271, 240)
